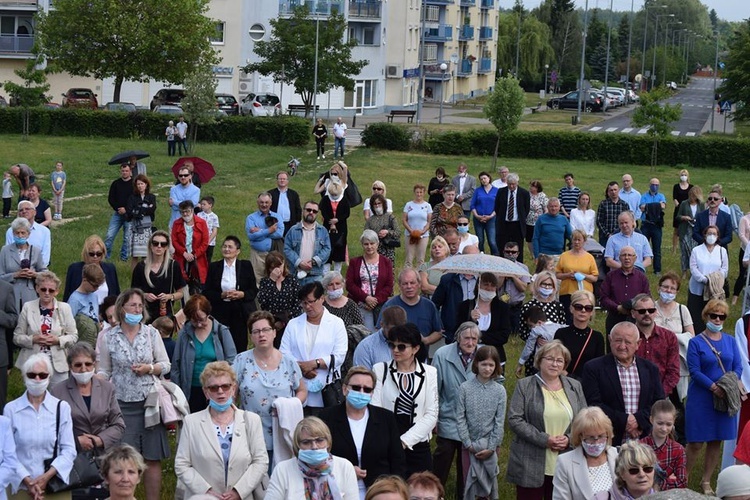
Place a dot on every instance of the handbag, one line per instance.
(85, 471)
(333, 393)
(731, 402)
(391, 242)
(167, 410)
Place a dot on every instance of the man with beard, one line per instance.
(307, 246)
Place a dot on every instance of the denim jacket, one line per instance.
(321, 251)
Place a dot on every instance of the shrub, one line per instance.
(387, 136)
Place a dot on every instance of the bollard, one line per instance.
(574, 120)
(354, 121)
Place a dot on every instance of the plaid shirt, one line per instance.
(662, 349)
(671, 456)
(606, 216)
(631, 386)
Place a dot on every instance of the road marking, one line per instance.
(675, 132)
(643, 130)
(611, 129)
(690, 134)
(627, 130)
(595, 129)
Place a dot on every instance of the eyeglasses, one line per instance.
(633, 471)
(311, 210)
(554, 361)
(47, 290)
(40, 376)
(580, 307)
(184, 175)
(361, 388)
(96, 254)
(650, 310)
(307, 303)
(713, 198)
(258, 331)
(220, 387)
(87, 364)
(594, 439)
(398, 347)
(320, 441)
(717, 316)
(162, 244)
(547, 285)
(511, 252)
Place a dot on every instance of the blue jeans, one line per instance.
(488, 228)
(338, 145)
(115, 223)
(653, 233)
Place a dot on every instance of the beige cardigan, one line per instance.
(30, 324)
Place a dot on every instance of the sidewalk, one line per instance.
(723, 124)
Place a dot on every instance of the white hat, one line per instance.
(733, 481)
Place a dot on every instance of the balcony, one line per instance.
(464, 67)
(364, 10)
(487, 4)
(443, 33)
(18, 4)
(439, 2)
(485, 33)
(433, 72)
(466, 33)
(316, 7)
(485, 65)
(16, 44)
(468, 3)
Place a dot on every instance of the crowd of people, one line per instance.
(293, 377)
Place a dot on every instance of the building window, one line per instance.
(218, 37)
(368, 36)
(430, 52)
(432, 13)
(257, 32)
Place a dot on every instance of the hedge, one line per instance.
(282, 131)
(702, 151)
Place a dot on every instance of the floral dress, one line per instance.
(389, 222)
(537, 207)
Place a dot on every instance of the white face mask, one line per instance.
(378, 210)
(487, 295)
(82, 378)
(546, 292)
(36, 387)
(711, 239)
(683, 178)
(335, 294)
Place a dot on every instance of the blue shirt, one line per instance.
(84, 303)
(283, 208)
(260, 241)
(635, 240)
(550, 233)
(633, 199)
(180, 193)
(372, 350)
(482, 201)
(651, 198)
(424, 314)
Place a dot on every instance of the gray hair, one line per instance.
(627, 213)
(512, 178)
(43, 276)
(554, 198)
(25, 202)
(32, 360)
(467, 326)
(81, 348)
(330, 276)
(20, 223)
(369, 236)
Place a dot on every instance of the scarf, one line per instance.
(319, 481)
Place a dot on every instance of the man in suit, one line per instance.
(623, 385)
(285, 202)
(511, 208)
(8, 320)
(465, 185)
(713, 216)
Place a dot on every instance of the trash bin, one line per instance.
(574, 120)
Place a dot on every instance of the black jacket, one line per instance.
(295, 209)
(233, 313)
(499, 331)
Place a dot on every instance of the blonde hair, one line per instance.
(633, 454)
(581, 295)
(379, 184)
(590, 419)
(315, 427)
(166, 263)
(548, 348)
(217, 369)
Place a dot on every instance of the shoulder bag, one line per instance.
(734, 390)
(333, 393)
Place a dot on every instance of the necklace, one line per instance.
(265, 363)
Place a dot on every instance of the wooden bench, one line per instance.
(537, 109)
(299, 108)
(408, 113)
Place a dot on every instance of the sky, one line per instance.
(729, 10)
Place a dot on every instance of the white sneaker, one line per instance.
(319, 157)
(324, 157)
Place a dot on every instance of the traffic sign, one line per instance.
(553, 76)
(726, 106)
(721, 65)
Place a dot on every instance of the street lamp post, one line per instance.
(518, 40)
(583, 59)
(656, 33)
(645, 37)
(666, 39)
(609, 45)
(420, 86)
(546, 70)
(443, 68)
(716, 72)
(630, 41)
(315, 73)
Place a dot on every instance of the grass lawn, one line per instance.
(245, 170)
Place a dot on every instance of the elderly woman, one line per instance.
(39, 422)
(369, 279)
(543, 291)
(385, 226)
(378, 188)
(314, 472)
(540, 413)
(711, 354)
(141, 212)
(551, 231)
(159, 277)
(93, 252)
(277, 292)
(97, 420)
(122, 468)
(576, 270)
(416, 220)
(337, 303)
(132, 356)
(436, 185)
(409, 389)
(446, 213)
(588, 471)
(190, 237)
(20, 261)
(537, 207)
(439, 251)
(335, 209)
(483, 210)
(265, 374)
(707, 261)
(582, 217)
(43, 211)
(221, 450)
(201, 341)
(634, 469)
(583, 342)
(377, 446)
(46, 326)
(686, 213)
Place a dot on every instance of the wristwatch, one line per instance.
(317, 363)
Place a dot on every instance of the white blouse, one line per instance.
(583, 220)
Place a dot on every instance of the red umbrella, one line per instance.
(201, 167)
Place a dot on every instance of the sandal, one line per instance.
(706, 486)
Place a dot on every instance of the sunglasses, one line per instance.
(717, 316)
(377, 189)
(216, 388)
(361, 388)
(712, 198)
(184, 175)
(633, 471)
(398, 347)
(96, 254)
(40, 376)
(47, 290)
(650, 310)
(311, 210)
(511, 252)
(460, 224)
(581, 307)
(162, 244)
(87, 364)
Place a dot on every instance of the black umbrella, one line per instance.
(123, 157)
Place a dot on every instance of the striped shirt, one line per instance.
(569, 197)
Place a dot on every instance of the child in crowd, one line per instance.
(212, 221)
(84, 303)
(7, 194)
(165, 326)
(481, 415)
(544, 262)
(107, 319)
(542, 331)
(671, 454)
(59, 181)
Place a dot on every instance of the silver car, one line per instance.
(260, 105)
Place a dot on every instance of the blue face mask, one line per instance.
(20, 241)
(654, 188)
(133, 319)
(713, 327)
(219, 406)
(357, 399)
(313, 457)
(463, 229)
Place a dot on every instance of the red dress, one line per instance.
(200, 245)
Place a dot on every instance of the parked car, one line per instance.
(261, 105)
(228, 104)
(592, 101)
(168, 109)
(633, 97)
(672, 85)
(3, 102)
(80, 98)
(126, 107)
(172, 97)
(620, 94)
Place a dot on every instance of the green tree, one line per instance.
(32, 91)
(133, 40)
(504, 108)
(657, 116)
(737, 71)
(289, 56)
(199, 102)
(597, 32)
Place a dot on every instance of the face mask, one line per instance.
(440, 177)
(20, 241)
(654, 188)
(82, 378)
(463, 229)
(313, 457)
(358, 400)
(36, 387)
(683, 178)
(335, 176)
(314, 385)
(378, 210)
(667, 297)
(487, 295)
(335, 294)
(711, 239)
(546, 292)
(133, 319)
(713, 327)
(219, 406)
(594, 450)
